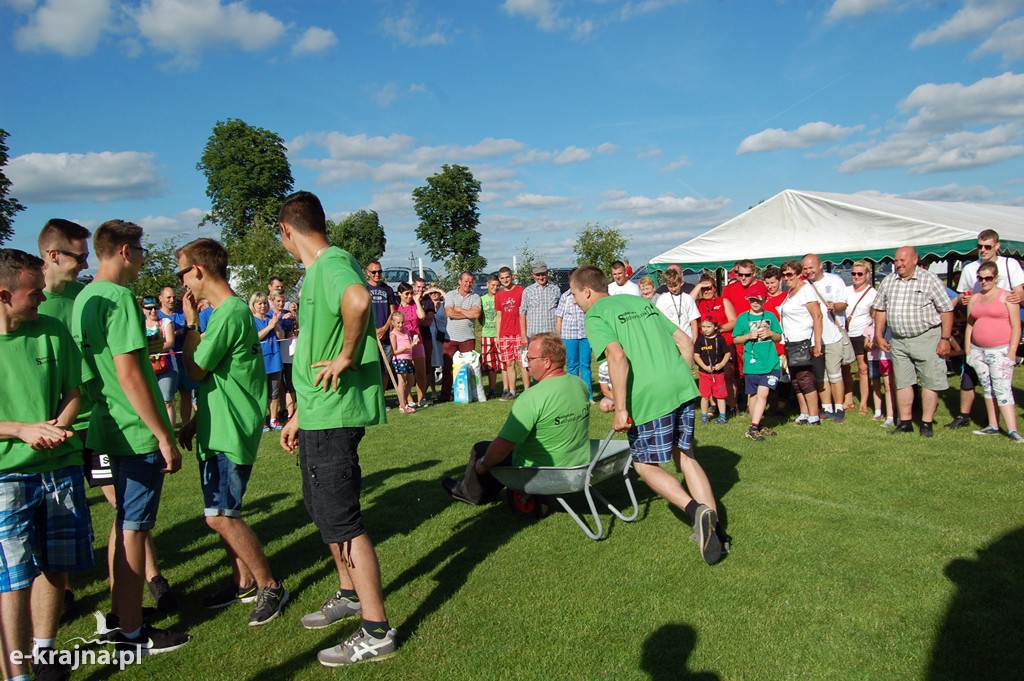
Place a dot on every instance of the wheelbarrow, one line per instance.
(529, 487)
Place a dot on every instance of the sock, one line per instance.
(132, 635)
(827, 407)
(376, 629)
(878, 412)
(755, 426)
(813, 419)
(349, 594)
(38, 643)
(691, 510)
(802, 417)
(20, 677)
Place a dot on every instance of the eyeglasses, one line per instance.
(142, 249)
(374, 271)
(530, 359)
(80, 258)
(858, 274)
(986, 247)
(989, 278)
(744, 275)
(180, 274)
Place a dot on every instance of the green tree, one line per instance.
(8, 204)
(524, 265)
(601, 246)
(256, 257)
(361, 234)
(447, 208)
(247, 177)
(159, 267)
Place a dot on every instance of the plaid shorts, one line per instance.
(652, 442)
(508, 349)
(44, 526)
(489, 357)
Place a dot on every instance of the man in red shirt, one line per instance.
(506, 305)
(737, 293)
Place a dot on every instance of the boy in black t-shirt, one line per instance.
(711, 355)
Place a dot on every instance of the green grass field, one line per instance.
(856, 555)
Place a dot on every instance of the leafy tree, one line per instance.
(247, 177)
(158, 269)
(8, 204)
(524, 265)
(256, 257)
(361, 234)
(447, 208)
(601, 246)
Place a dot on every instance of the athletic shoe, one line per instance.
(825, 415)
(407, 409)
(151, 641)
(229, 594)
(926, 429)
(902, 427)
(754, 434)
(266, 429)
(422, 404)
(988, 430)
(800, 421)
(270, 601)
(335, 609)
(814, 423)
(276, 425)
(959, 421)
(165, 599)
(839, 416)
(1015, 436)
(710, 546)
(721, 420)
(359, 647)
(704, 418)
(766, 431)
(49, 671)
(506, 396)
(889, 423)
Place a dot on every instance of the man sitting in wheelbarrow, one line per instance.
(549, 426)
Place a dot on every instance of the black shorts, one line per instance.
(96, 465)
(858, 344)
(331, 481)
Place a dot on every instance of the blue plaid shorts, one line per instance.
(44, 526)
(652, 442)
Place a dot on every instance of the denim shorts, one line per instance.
(138, 479)
(652, 442)
(44, 526)
(224, 483)
(168, 384)
(331, 481)
(754, 381)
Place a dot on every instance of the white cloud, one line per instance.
(607, 148)
(666, 204)
(806, 135)
(638, 9)
(844, 9)
(69, 27)
(103, 176)
(184, 225)
(538, 201)
(973, 19)
(342, 146)
(1006, 41)
(410, 30)
(649, 153)
(952, 192)
(680, 162)
(313, 40)
(187, 27)
(923, 153)
(948, 106)
(543, 12)
(572, 154)
(534, 156)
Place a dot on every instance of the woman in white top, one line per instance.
(801, 321)
(859, 297)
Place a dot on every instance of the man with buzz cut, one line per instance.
(339, 393)
(128, 422)
(45, 528)
(227, 363)
(649, 363)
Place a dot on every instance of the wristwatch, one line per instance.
(192, 327)
(946, 338)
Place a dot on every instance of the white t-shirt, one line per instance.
(832, 288)
(630, 287)
(859, 313)
(797, 323)
(681, 310)
(1010, 274)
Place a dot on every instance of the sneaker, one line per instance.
(879, 417)
(165, 599)
(766, 432)
(276, 425)
(454, 490)
(926, 429)
(48, 668)
(721, 420)
(959, 421)
(266, 429)
(814, 423)
(800, 420)
(754, 434)
(710, 545)
(988, 430)
(229, 594)
(705, 418)
(407, 409)
(888, 423)
(839, 416)
(902, 427)
(826, 415)
(422, 404)
(151, 641)
(1015, 436)
(335, 609)
(506, 396)
(359, 647)
(270, 601)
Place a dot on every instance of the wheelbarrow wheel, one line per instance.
(527, 505)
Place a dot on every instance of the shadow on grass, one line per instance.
(980, 636)
(667, 652)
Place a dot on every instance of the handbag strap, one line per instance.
(854, 309)
(830, 313)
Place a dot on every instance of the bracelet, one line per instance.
(946, 338)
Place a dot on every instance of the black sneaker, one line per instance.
(959, 421)
(151, 641)
(229, 594)
(710, 545)
(926, 429)
(270, 601)
(902, 427)
(48, 668)
(165, 599)
(754, 434)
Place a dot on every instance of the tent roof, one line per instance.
(838, 227)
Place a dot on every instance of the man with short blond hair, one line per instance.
(620, 283)
(507, 303)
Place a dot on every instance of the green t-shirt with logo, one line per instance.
(660, 380)
(39, 363)
(550, 424)
(233, 394)
(759, 357)
(59, 306)
(490, 317)
(359, 399)
(107, 321)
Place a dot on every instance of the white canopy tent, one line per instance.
(840, 227)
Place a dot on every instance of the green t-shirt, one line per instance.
(759, 357)
(233, 395)
(659, 378)
(550, 424)
(359, 400)
(490, 317)
(59, 306)
(107, 321)
(39, 362)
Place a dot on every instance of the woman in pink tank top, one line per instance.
(993, 332)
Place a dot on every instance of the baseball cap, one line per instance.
(540, 268)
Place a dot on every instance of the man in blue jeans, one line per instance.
(569, 327)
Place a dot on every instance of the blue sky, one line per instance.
(660, 117)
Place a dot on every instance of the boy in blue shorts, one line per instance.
(758, 331)
(649, 363)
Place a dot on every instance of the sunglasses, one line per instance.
(788, 275)
(374, 271)
(986, 247)
(142, 249)
(858, 274)
(989, 278)
(180, 274)
(744, 275)
(80, 258)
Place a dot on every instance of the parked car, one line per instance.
(393, 276)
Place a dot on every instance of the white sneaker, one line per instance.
(359, 647)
